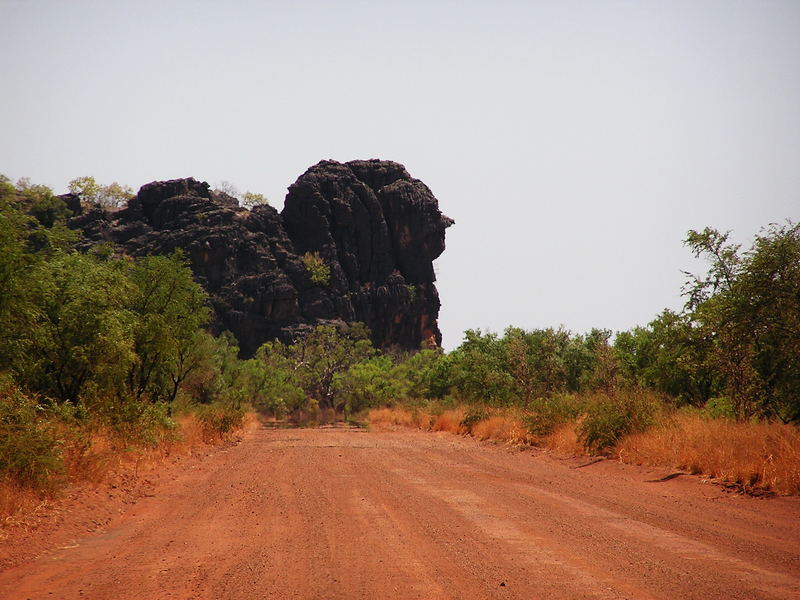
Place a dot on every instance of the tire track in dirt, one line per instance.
(332, 513)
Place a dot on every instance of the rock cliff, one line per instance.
(376, 228)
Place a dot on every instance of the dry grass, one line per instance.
(757, 455)
(501, 429)
(505, 427)
(15, 499)
(763, 455)
(450, 420)
(564, 440)
(383, 417)
(95, 457)
(390, 416)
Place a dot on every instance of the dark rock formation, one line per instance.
(376, 227)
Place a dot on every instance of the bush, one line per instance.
(136, 422)
(547, 414)
(609, 418)
(473, 417)
(220, 419)
(719, 408)
(30, 451)
(318, 270)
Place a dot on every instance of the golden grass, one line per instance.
(450, 420)
(501, 429)
(15, 499)
(757, 455)
(564, 440)
(400, 417)
(390, 416)
(763, 455)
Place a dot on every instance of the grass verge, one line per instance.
(633, 427)
(752, 455)
(42, 451)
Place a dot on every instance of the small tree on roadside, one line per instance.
(170, 308)
(748, 307)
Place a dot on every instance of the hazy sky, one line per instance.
(574, 143)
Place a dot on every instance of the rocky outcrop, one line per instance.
(376, 228)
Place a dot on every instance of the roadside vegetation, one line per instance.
(104, 361)
(713, 389)
(107, 360)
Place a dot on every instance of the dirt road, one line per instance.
(352, 514)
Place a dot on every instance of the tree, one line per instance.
(769, 286)
(86, 188)
(251, 199)
(371, 382)
(478, 368)
(17, 286)
(318, 270)
(113, 195)
(80, 339)
(271, 381)
(748, 307)
(424, 374)
(605, 367)
(535, 360)
(171, 308)
(321, 355)
(226, 187)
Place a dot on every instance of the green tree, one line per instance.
(424, 374)
(170, 308)
(86, 188)
(81, 336)
(748, 307)
(271, 380)
(325, 353)
(250, 200)
(374, 381)
(17, 283)
(769, 289)
(478, 369)
(536, 361)
(90, 191)
(318, 269)
(605, 367)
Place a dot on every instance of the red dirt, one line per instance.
(331, 513)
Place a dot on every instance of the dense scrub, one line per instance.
(94, 346)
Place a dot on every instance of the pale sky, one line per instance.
(573, 142)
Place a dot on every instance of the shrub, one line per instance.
(220, 419)
(30, 451)
(135, 422)
(473, 417)
(317, 268)
(547, 414)
(719, 408)
(610, 418)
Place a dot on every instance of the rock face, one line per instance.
(376, 228)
